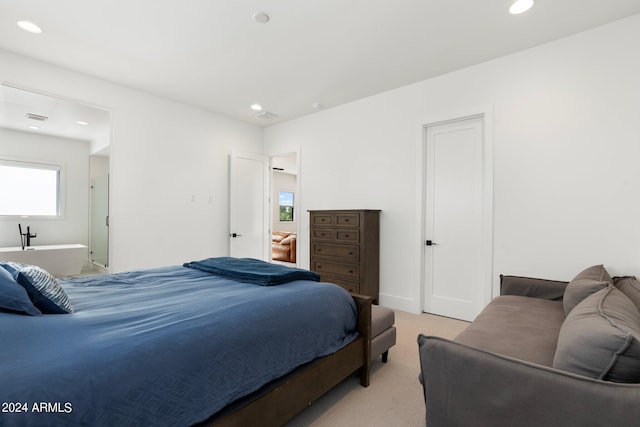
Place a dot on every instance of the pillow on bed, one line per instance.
(12, 267)
(44, 290)
(13, 297)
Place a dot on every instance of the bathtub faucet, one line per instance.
(25, 238)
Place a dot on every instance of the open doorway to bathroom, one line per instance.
(46, 129)
(284, 209)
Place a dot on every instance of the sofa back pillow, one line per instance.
(587, 282)
(630, 286)
(600, 338)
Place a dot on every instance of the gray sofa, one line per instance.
(543, 353)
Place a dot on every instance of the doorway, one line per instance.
(38, 117)
(458, 216)
(285, 213)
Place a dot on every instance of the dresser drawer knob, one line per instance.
(350, 253)
(319, 250)
(350, 271)
(346, 235)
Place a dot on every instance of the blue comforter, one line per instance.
(168, 346)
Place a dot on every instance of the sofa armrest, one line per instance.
(531, 287)
(464, 386)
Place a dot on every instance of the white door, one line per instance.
(249, 206)
(455, 283)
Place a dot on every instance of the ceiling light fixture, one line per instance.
(29, 26)
(33, 127)
(80, 122)
(261, 17)
(520, 6)
(256, 107)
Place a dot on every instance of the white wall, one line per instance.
(161, 154)
(566, 149)
(74, 156)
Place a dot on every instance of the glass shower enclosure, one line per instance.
(100, 221)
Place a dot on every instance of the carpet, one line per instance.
(394, 397)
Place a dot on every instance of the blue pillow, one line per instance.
(12, 267)
(13, 297)
(44, 290)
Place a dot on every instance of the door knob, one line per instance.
(236, 235)
(431, 243)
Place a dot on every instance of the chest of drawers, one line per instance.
(345, 249)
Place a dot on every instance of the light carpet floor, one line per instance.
(394, 397)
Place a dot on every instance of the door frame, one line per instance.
(492, 286)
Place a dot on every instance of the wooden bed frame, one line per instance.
(289, 397)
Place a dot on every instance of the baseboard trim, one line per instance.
(400, 303)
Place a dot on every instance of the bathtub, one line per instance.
(59, 260)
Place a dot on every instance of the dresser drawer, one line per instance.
(349, 253)
(349, 271)
(319, 219)
(328, 234)
(348, 236)
(348, 220)
(340, 219)
(353, 287)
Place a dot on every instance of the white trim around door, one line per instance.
(489, 285)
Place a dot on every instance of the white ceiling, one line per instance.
(61, 116)
(212, 54)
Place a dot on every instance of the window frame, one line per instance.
(292, 206)
(38, 164)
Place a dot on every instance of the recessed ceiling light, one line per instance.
(80, 122)
(33, 127)
(520, 6)
(29, 26)
(261, 17)
(256, 107)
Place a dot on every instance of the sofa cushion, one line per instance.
(630, 286)
(600, 338)
(587, 282)
(516, 326)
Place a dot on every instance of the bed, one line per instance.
(180, 346)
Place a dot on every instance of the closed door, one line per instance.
(249, 204)
(455, 285)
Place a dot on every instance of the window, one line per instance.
(286, 205)
(29, 189)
